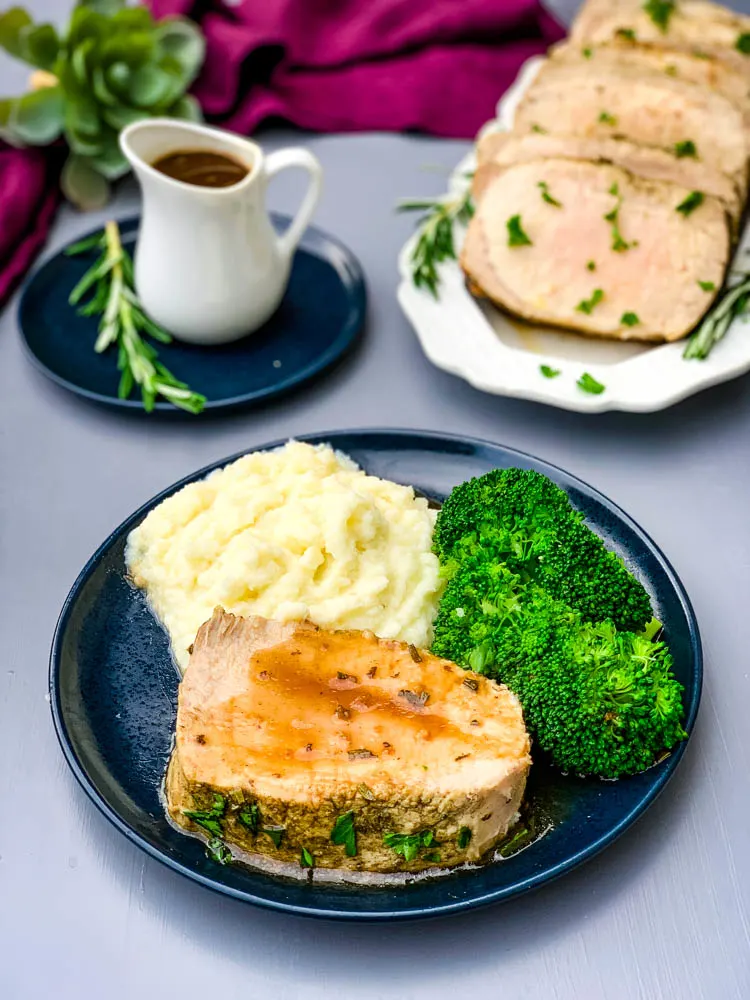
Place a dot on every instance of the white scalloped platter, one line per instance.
(499, 354)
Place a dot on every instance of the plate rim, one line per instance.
(448, 908)
(346, 339)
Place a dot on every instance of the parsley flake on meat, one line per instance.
(549, 372)
(743, 43)
(694, 200)
(408, 845)
(607, 119)
(660, 11)
(619, 244)
(344, 834)
(516, 236)
(587, 306)
(546, 196)
(707, 286)
(685, 148)
(629, 319)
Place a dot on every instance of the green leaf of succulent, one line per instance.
(133, 19)
(182, 40)
(82, 116)
(85, 23)
(105, 7)
(121, 116)
(100, 89)
(37, 117)
(111, 162)
(117, 78)
(134, 49)
(187, 109)
(13, 23)
(41, 46)
(86, 145)
(149, 85)
(82, 185)
(78, 61)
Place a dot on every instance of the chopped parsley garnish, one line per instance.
(306, 859)
(249, 816)
(516, 236)
(433, 857)
(209, 819)
(587, 305)
(629, 319)
(707, 286)
(619, 244)
(539, 129)
(660, 12)
(587, 53)
(218, 851)
(670, 70)
(276, 833)
(606, 118)
(686, 148)
(743, 43)
(627, 33)
(546, 196)
(693, 201)
(343, 833)
(589, 384)
(549, 372)
(464, 838)
(409, 844)
(591, 266)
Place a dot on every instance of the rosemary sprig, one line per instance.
(435, 243)
(717, 320)
(125, 325)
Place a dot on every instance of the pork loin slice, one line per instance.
(652, 57)
(650, 109)
(506, 148)
(307, 725)
(570, 275)
(693, 25)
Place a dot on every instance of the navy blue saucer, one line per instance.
(318, 321)
(113, 690)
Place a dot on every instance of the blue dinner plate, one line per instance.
(319, 319)
(113, 689)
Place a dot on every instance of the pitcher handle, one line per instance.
(297, 157)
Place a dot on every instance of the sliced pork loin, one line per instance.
(651, 57)
(691, 25)
(650, 109)
(283, 728)
(590, 247)
(506, 148)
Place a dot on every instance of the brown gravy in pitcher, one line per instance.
(202, 167)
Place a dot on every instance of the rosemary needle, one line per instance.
(125, 325)
(435, 242)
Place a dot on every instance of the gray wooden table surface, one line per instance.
(83, 914)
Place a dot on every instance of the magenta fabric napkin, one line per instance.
(29, 196)
(436, 66)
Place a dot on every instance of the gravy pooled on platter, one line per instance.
(202, 167)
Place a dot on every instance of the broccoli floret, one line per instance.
(529, 524)
(599, 701)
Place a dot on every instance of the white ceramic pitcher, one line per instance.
(209, 266)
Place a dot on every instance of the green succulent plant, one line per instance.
(113, 65)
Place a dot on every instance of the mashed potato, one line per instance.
(296, 533)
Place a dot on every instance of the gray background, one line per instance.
(662, 914)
